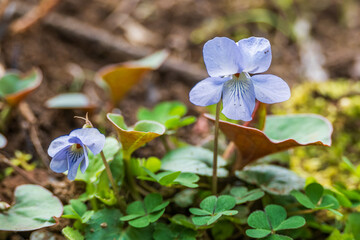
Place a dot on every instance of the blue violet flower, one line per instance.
(229, 65)
(70, 151)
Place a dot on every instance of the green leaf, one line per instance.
(183, 221)
(242, 195)
(272, 179)
(70, 101)
(34, 208)
(329, 201)
(169, 178)
(257, 233)
(276, 215)
(72, 234)
(303, 199)
(303, 128)
(270, 221)
(104, 224)
(353, 225)
(213, 207)
(173, 231)
(200, 221)
(258, 220)
(142, 133)
(209, 203)
(224, 202)
(3, 141)
(96, 165)
(14, 86)
(187, 180)
(142, 214)
(277, 237)
(314, 191)
(167, 113)
(222, 230)
(194, 160)
(198, 211)
(291, 223)
(336, 235)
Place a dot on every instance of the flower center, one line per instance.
(243, 76)
(76, 147)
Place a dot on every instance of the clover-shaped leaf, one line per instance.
(14, 87)
(266, 223)
(169, 178)
(106, 224)
(194, 160)
(34, 208)
(242, 194)
(141, 214)
(173, 231)
(212, 208)
(168, 113)
(132, 139)
(272, 179)
(315, 198)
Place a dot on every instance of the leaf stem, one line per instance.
(120, 200)
(216, 136)
(130, 178)
(306, 211)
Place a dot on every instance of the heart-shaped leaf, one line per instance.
(132, 139)
(212, 208)
(242, 194)
(70, 101)
(266, 223)
(34, 208)
(120, 78)
(272, 179)
(168, 113)
(140, 214)
(3, 141)
(280, 133)
(194, 160)
(14, 87)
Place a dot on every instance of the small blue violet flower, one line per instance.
(70, 151)
(229, 65)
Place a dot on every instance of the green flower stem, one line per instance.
(4, 117)
(214, 177)
(120, 200)
(130, 178)
(93, 204)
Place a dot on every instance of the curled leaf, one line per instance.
(120, 78)
(132, 139)
(14, 87)
(281, 133)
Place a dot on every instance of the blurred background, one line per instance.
(315, 46)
